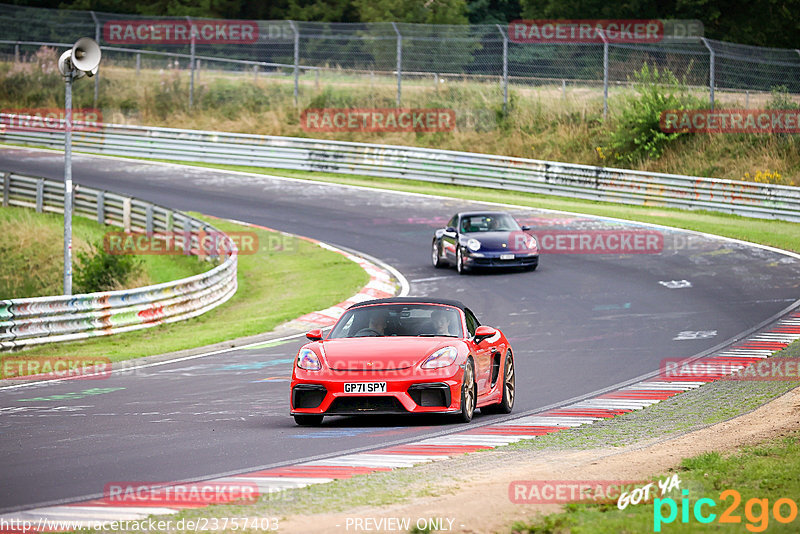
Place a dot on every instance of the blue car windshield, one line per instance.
(494, 222)
(427, 320)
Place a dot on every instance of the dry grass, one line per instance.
(544, 122)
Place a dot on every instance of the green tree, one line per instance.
(430, 12)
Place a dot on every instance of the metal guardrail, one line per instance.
(749, 199)
(32, 321)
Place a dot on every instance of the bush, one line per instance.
(781, 99)
(637, 134)
(101, 271)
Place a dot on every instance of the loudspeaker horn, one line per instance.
(86, 55)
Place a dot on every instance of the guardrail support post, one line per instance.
(399, 65)
(6, 188)
(16, 53)
(101, 207)
(170, 221)
(39, 195)
(296, 60)
(186, 226)
(191, 62)
(711, 69)
(797, 50)
(148, 219)
(138, 63)
(126, 214)
(97, 75)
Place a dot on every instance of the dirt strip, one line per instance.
(480, 503)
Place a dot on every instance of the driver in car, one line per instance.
(441, 323)
(377, 323)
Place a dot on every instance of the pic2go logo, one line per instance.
(756, 511)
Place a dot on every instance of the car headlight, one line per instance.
(474, 245)
(308, 360)
(532, 243)
(441, 358)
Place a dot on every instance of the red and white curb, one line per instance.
(383, 283)
(607, 405)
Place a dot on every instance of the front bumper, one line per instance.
(322, 392)
(491, 259)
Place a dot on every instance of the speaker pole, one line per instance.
(68, 184)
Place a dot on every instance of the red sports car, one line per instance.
(403, 355)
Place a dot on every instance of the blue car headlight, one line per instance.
(308, 360)
(441, 358)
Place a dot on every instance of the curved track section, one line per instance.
(579, 324)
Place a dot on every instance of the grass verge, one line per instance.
(31, 248)
(746, 486)
(273, 288)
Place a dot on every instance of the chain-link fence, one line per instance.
(396, 53)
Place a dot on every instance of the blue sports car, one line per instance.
(484, 239)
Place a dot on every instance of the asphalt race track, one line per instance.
(580, 323)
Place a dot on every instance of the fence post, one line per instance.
(97, 40)
(564, 89)
(138, 63)
(101, 207)
(711, 69)
(605, 74)
(191, 62)
(296, 60)
(399, 65)
(16, 52)
(505, 68)
(6, 188)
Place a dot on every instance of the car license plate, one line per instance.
(506, 256)
(365, 387)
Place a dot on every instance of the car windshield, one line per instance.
(381, 320)
(492, 222)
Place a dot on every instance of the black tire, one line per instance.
(308, 419)
(509, 385)
(436, 257)
(460, 262)
(509, 389)
(469, 393)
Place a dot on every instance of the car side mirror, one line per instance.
(484, 332)
(314, 335)
(450, 230)
(525, 228)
